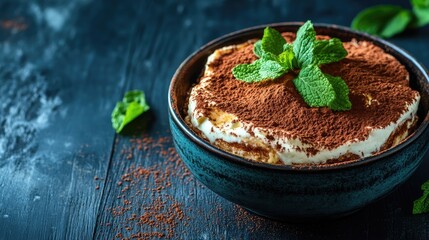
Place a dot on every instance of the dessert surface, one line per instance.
(269, 121)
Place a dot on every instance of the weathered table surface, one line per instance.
(65, 174)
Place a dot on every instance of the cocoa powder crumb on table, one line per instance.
(159, 214)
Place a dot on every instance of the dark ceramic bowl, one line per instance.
(287, 193)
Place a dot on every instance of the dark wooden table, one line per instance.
(65, 174)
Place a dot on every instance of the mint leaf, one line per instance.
(328, 51)
(247, 72)
(287, 47)
(421, 11)
(314, 87)
(270, 56)
(257, 48)
(420, 3)
(341, 101)
(304, 44)
(272, 41)
(287, 58)
(132, 105)
(271, 70)
(383, 20)
(421, 205)
(259, 70)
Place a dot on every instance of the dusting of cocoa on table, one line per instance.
(245, 219)
(253, 223)
(14, 24)
(161, 214)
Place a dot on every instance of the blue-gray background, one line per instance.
(64, 64)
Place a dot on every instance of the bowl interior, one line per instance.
(190, 70)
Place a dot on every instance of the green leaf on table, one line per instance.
(383, 20)
(421, 11)
(272, 41)
(132, 105)
(328, 51)
(421, 205)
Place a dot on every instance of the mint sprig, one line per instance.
(132, 105)
(277, 57)
(389, 20)
(421, 205)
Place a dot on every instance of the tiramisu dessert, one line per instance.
(272, 121)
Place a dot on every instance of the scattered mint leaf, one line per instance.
(328, 51)
(132, 105)
(276, 57)
(421, 11)
(257, 48)
(304, 44)
(421, 205)
(383, 20)
(420, 3)
(314, 87)
(272, 41)
(389, 20)
(259, 70)
(341, 101)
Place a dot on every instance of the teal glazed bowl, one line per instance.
(285, 192)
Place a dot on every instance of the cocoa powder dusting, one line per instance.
(254, 224)
(379, 92)
(161, 213)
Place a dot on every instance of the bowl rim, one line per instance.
(175, 116)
